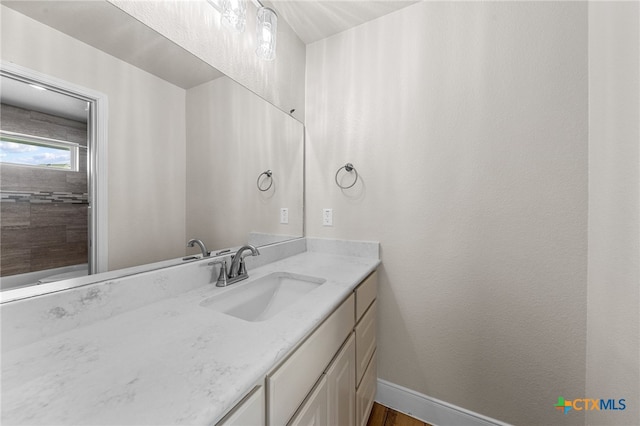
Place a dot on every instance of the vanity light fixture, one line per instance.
(233, 15)
(266, 30)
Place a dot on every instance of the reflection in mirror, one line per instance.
(44, 221)
(186, 144)
(234, 136)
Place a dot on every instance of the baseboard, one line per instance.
(427, 409)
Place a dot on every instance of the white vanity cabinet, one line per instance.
(291, 382)
(330, 379)
(249, 411)
(315, 410)
(344, 391)
(332, 401)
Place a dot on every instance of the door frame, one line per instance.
(97, 176)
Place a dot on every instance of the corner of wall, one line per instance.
(613, 294)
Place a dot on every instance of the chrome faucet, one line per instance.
(237, 270)
(192, 242)
(237, 267)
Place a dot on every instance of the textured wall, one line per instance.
(195, 25)
(467, 122)
(223, 201)
(613, 333)
(146, 133)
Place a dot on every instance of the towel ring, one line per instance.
(349, 168)
(269, 174)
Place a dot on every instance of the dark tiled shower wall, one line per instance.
(34, 123)
(37, 236)
(43, 213)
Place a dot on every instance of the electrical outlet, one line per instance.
(327, 217)
(284, 215)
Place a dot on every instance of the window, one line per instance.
(35, 151)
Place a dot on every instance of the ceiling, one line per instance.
(313, 20)
(20, 94)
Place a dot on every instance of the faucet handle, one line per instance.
(222, 276)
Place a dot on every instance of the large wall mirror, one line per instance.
(188, 149)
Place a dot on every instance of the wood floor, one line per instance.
(383, 416)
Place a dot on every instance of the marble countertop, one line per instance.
(169, 362)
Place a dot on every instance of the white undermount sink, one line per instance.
(264, 297)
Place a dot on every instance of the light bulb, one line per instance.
(234, 14)
(266, 33)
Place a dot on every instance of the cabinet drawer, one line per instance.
(366, 393)
(249, 411)
(292, 381)
(365, 341)
(366, 293)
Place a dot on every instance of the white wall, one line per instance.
(195, 25)
(467, 122)
(146, 133)
(613, 320)
(223, 201)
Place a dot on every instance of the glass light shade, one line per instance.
(266, 31)
(234, 14)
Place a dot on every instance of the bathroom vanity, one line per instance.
(100, 354)
(329, 379)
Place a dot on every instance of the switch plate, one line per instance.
(327, 217)
(284, 215)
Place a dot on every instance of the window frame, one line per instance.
(72, 147)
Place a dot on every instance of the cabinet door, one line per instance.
(314, 412)
(341, 382)
(288, 386)
(248, 412)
